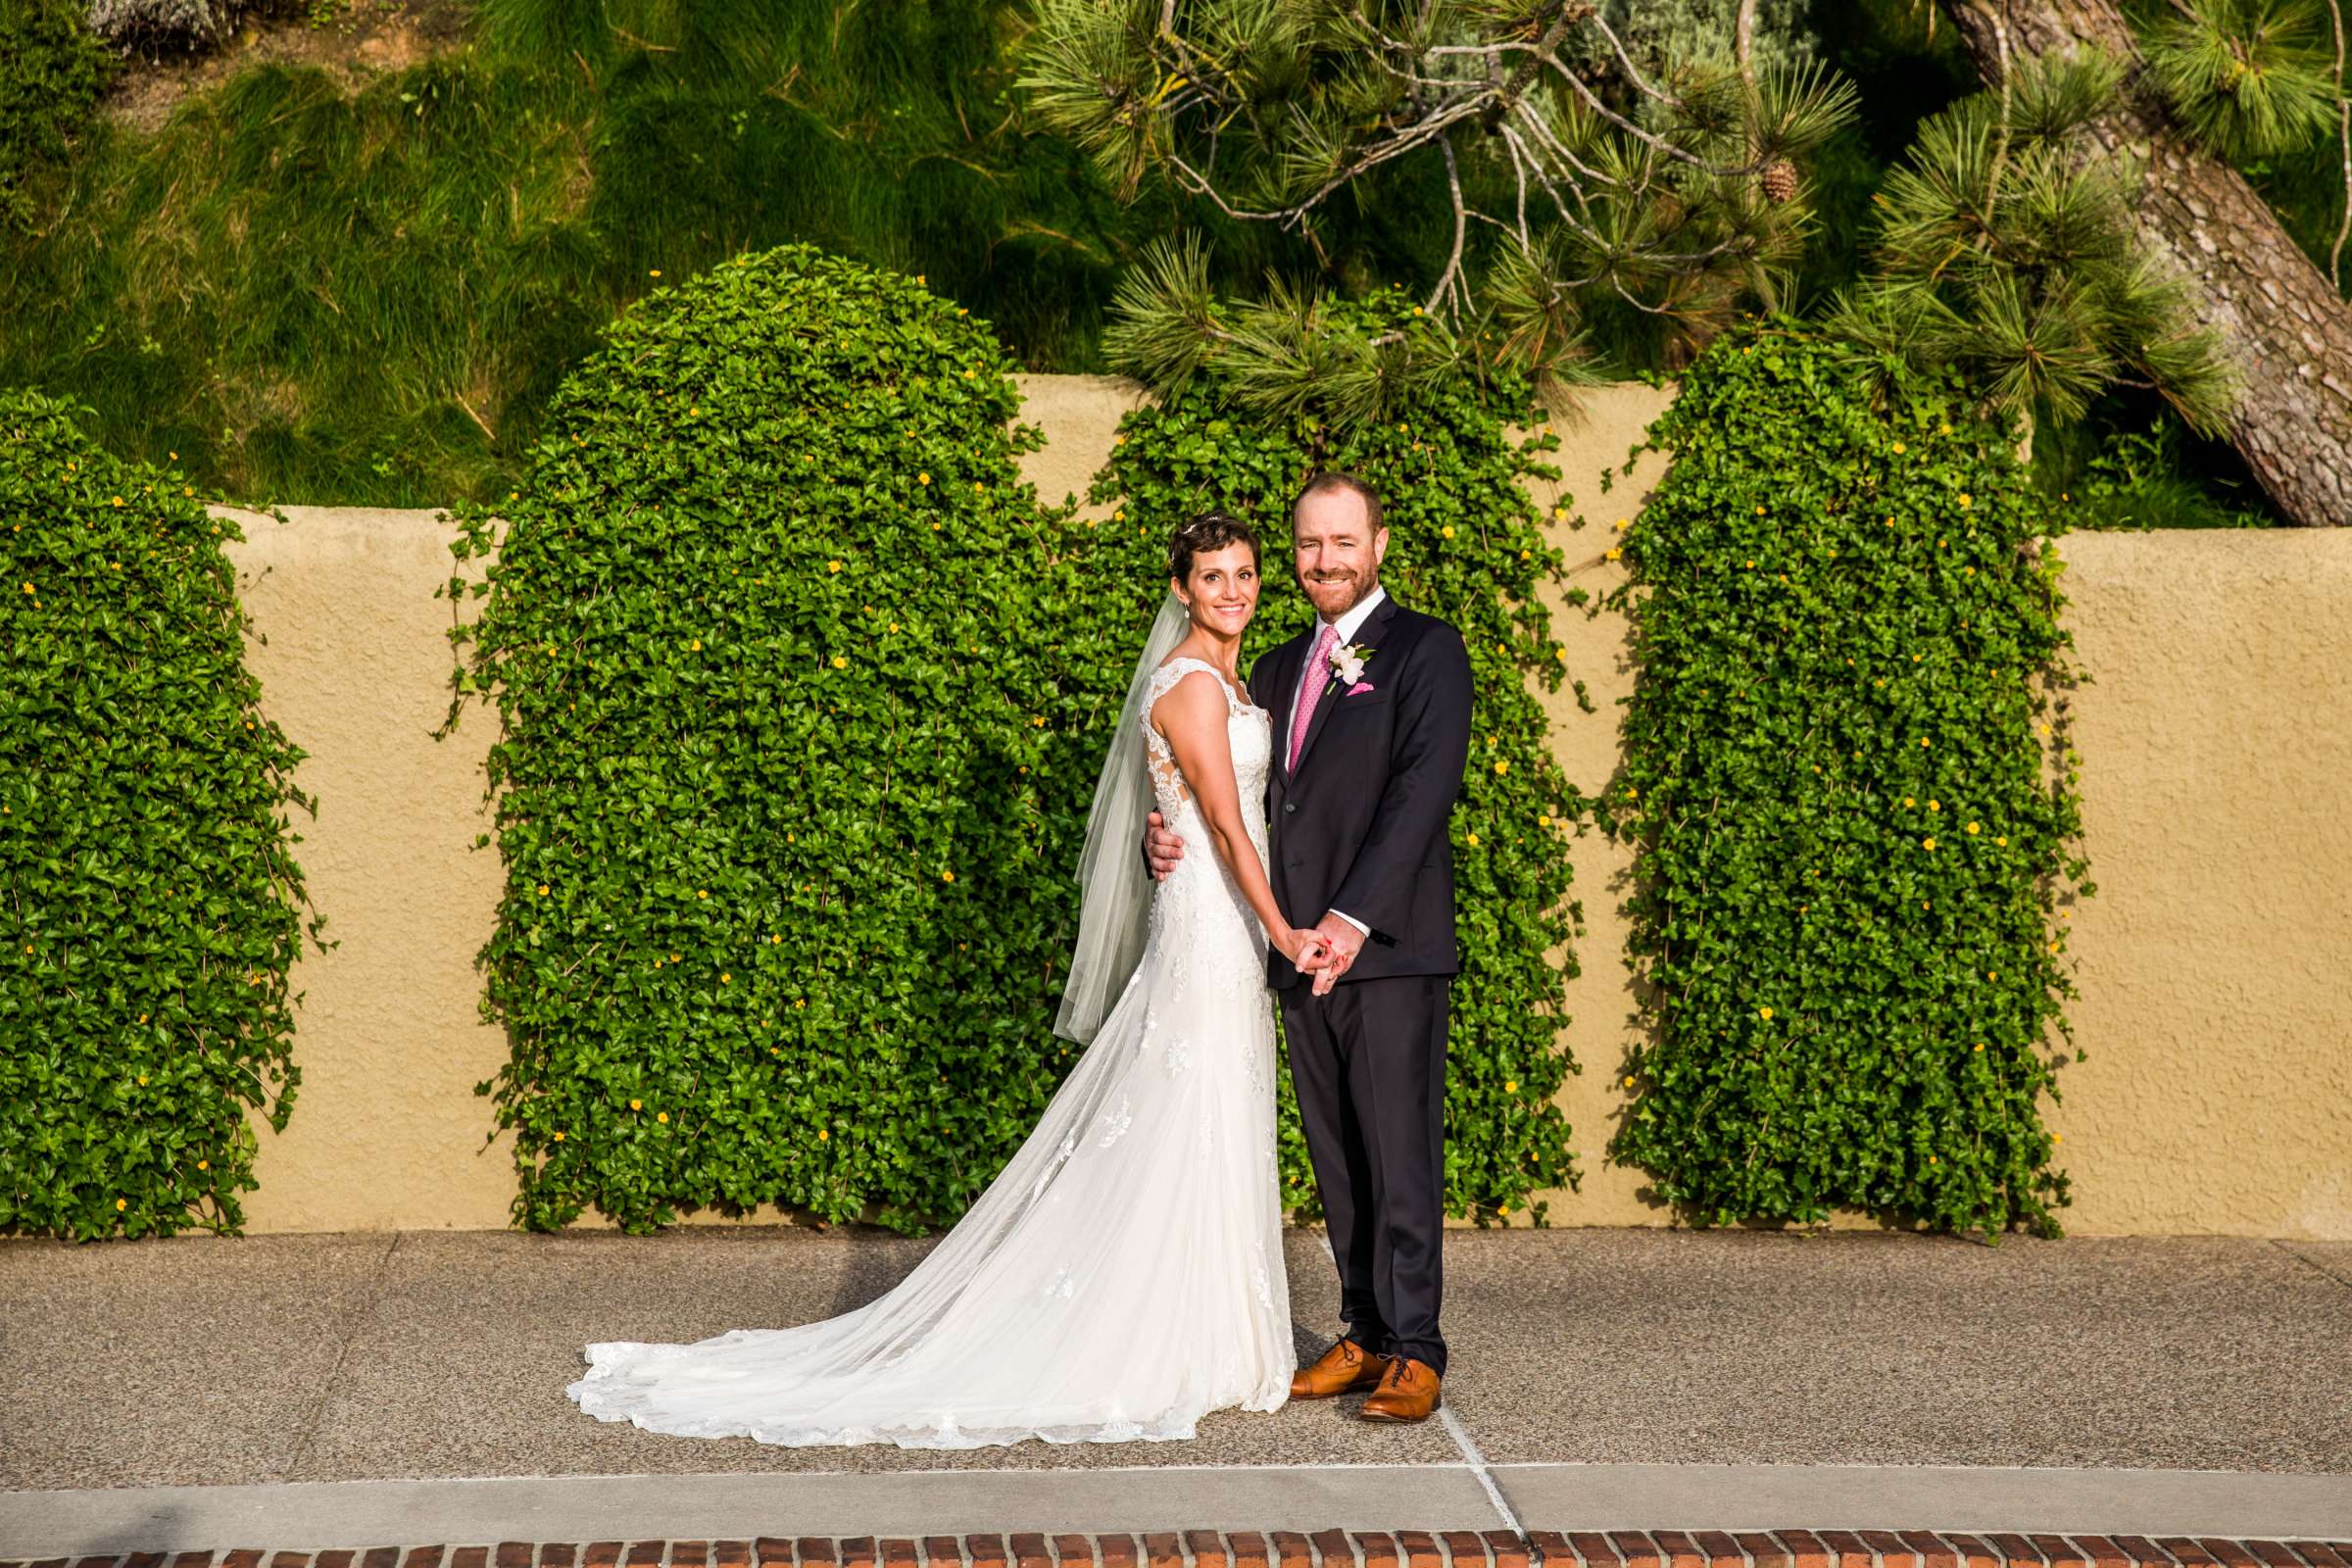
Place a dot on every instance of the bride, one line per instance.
(1123, 1274)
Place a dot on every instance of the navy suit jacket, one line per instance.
(1360, 823)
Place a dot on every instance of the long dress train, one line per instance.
(1123, 1274)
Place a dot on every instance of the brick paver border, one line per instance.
(1325, 1548)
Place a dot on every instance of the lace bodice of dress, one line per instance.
(1250, 731)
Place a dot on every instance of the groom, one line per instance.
(1371, 712)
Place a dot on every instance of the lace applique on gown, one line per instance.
(1142, 1210)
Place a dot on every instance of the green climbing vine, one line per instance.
(1852, 797)
(150, 903)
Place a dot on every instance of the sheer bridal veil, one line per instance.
(1115, 887)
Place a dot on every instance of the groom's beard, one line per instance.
(1364, 590)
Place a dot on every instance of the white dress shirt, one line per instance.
(1346, 626)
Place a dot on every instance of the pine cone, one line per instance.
(1780, 179)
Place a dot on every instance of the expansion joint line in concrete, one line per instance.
(1460, 1435)
(326, 1385)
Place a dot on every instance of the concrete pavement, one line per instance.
(245, 1387)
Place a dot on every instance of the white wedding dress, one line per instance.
(1123, 1274)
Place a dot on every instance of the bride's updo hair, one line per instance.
(1206, 530)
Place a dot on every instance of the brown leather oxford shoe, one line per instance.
(1344, 1367)
(1407, 1392)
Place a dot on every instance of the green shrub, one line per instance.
(52, 70)
(1464, 545)
(149, 899)
(803, 697)
(1852, 806)
(787, 852)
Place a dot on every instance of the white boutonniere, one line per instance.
(1348, 663)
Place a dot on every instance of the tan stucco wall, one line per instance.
(2218, 1092)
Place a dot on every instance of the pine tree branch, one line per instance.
(1417, 134)
(1523, 74)
(1450, 279)
(1681, 154)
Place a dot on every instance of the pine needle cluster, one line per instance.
(2005, 248)
(2249, 79)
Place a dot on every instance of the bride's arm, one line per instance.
(1192, 714)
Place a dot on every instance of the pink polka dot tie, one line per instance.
(1310, 688)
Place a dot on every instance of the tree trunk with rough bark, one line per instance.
(2287, 327)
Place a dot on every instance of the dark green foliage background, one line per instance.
(1839, 611)
(729, 956)
(149, 897)
(1464, 545)
(465, 224)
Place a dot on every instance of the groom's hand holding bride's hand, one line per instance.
(1342, 942)
(1308, 950)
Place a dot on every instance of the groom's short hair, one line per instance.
(1330, 479)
